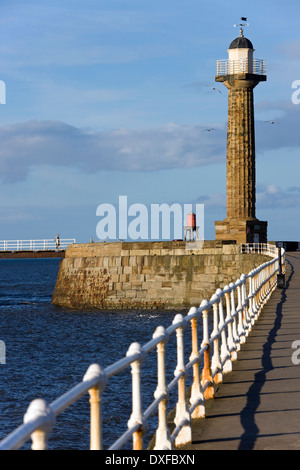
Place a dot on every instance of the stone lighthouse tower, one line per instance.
(240, 74)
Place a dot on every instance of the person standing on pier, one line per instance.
(57, 240)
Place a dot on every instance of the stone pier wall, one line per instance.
(147, 275)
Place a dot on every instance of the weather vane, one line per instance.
(241, 25)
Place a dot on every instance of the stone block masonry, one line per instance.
(147, 275)
(241, 223)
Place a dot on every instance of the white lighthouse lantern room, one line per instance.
(240, 58)
(240, 55)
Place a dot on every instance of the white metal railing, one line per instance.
(260, 248)
(234, 309)
(35, 245)
(227, 67)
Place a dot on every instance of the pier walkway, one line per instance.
(256, 402)
(257, 407)
(46, 248)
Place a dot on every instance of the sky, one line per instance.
(110, 98)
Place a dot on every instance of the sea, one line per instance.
(49, 349)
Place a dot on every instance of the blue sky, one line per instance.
(112, 97)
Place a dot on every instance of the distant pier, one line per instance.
(46, 248)
(31, 254)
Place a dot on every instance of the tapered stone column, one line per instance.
(241, 74)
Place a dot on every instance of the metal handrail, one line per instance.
(235, 309)
(263, 248)
(35, 245)
(243, 65)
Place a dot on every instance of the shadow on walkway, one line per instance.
(251, 430)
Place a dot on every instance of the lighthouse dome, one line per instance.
(241, 43)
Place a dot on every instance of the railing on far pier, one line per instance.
(234, 309)
(35, 245)
(260, 248)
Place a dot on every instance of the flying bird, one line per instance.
(272, 122)
(208, 130)
(214, 88)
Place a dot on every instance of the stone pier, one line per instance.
(147, 275)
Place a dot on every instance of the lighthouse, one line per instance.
(240, 74)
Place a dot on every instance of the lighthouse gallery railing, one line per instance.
(227, 67)
(235, 310)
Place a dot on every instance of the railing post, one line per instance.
(259, 290)
(206, 379)
(162, 435)
(269, 276)
(241, 330)
(235, 333)
(262, 287)
(95, 405)
(137, 412)
(255, 294)
(216, 365)
(266, 290)
(251, 304)
(268, 287)
(246, 321)
(196, 392)
(225, 354)
(38, 409)
(229, 320)
(182, 409)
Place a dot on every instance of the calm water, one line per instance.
(48, 350)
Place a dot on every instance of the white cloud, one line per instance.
(31, 144)
(274, 197)
(284, 133)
